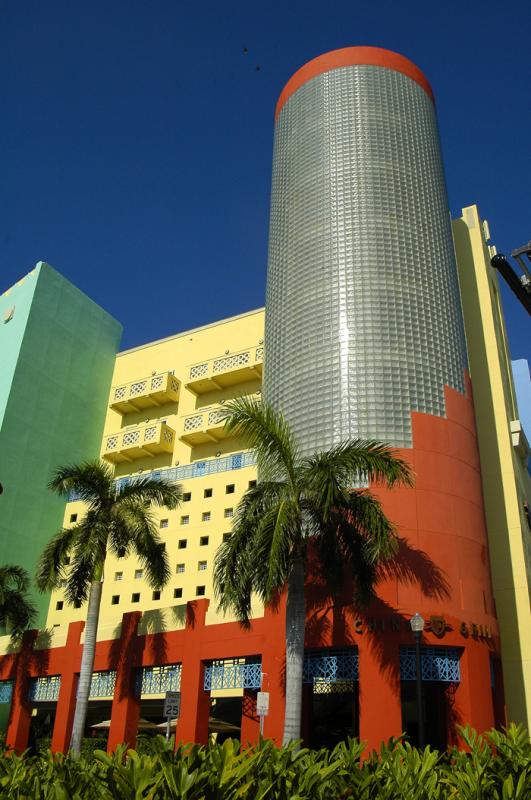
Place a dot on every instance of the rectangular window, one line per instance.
(163, 523)
(67, 561)
(203, 540)
(118, 576)
(182, 544)
(59, 605)
(226, 537)
(73, 517)
(135, 597)
(207, 493)
(187, 496)
(205, 516)
(138, 573)
(199, 590)
(177, 593)
(185, 520)
(115, 599)
(201, 565)
(77, 604)
(229, 488)
(156, 594)
(180, 569)
(252, 484)
(229, 512)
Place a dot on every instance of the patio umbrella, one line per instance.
(143, 725)
(214, 726)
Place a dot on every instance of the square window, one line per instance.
(182, 544)
(135, 597)
(207, 493)
(179, 569)
(226, 537)
(138, 573)
(252, 484)
(229, 512)
(200, 591)
(118, 576)
(229, 488)
(187, 496)
(120, 553)
(115, 599)
(73, 517)
(163, 523)
(156, 595)
(201, 565)
(205, 516)
(177, 593)
(203, 540)
(185, 520)
(77, 604)
(67, 561)
(59, 605)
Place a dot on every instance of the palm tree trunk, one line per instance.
(87, 665)
(295, 625)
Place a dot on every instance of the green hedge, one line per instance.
(497, 767)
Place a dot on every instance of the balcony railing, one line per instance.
(138, 442)
(226, 370)
(157, 390)
(203, 427)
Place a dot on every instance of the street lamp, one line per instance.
(417, 626)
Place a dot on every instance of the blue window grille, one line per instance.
(158, 680)
(437, 664)
(103, 684)
(330, 666)
(233, 673)
(44, 689)
(6, 691)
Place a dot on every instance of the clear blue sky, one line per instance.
(136, 138)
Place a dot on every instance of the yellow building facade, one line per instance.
(503, 451)
(163, 419)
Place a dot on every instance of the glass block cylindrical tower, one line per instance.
(363, 315)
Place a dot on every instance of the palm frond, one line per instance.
(157, 492)
(267, 433)
(278, 537)
(235, 566)
(144, 540)
(52, 562)
(92, 481)
(365, 513)
(13, 577)
(17, 613)
(352, 461)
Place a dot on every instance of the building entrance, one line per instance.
(330, 716)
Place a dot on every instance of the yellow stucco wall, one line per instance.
(123, 577)
(505, 479)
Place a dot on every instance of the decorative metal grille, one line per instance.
(120, 392)
(137, 388)
(330, 666)
(6, 691)
(230, 362)
(158, 680)
(156, 382)
(45, 688)
(174, 384)
(259, 354)
(233, 674)
(167, 435)
(112, 443)
(437, 664)
(215, 416)
(103, 684)
(150, 433)
(132, 437)
(193, 423)
(199, 370)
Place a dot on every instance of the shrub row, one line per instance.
(497, 767)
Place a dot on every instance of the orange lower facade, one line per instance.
(442, 571)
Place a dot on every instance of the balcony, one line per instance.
(153, 391)
(138, 442)
(203, 427)
(227, 370)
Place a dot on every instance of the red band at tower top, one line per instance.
(347, 57)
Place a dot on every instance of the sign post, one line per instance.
(262, 708)
(172, 709)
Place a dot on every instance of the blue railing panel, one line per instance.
(158, 680)
(6, 691)
(233, 674)
(437, 664)
(44, 689)
(330, 666)
(103, 684)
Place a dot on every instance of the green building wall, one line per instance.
(57, 358)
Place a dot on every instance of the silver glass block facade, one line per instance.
(363, 315)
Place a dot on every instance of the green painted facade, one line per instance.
(57, 352)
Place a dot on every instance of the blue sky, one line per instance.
(136, 138)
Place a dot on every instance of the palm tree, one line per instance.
(118, 520)
(301, 506)
(17, 612)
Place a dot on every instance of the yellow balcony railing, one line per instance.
(138, 442)
(203, 426)
(226, 370)
(157, 390)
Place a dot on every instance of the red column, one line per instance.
(18, 727)
(126, 703)
(473, 702)
(273, 669)
(66, 702)
(379, 690)
(250, 723)
(195, 702)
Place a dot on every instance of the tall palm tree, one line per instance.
(298, 507)
(17, 612)
(118, 520)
